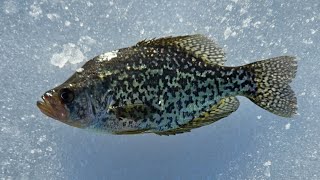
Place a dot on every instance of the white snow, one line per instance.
(229, 7)
(227, 32)
(67, 23)
(108, 55)
(257, 24)
(246, 22)
(53, 16)
(10, 7)
(288, 126)
(36, 10)
(267, 169)
(307, 41)
(70, 53)
(259, 117)
(79, 70)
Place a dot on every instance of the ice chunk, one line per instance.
(288, 126)
(70, 53)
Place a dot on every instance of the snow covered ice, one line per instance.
(43, 42)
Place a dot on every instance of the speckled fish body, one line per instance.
(167, 86)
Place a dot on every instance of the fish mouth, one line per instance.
(52, 109)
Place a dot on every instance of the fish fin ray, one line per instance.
(131, 132)
(132, 111)
(221, 110)
(197, 45)
(273, 90)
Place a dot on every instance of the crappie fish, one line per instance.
(167, 86)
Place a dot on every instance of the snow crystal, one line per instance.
(243, 11)
(53, 16)
(246, 22)
(257, 24)
(36, 11)
(10, 7)
(267, 170)
(67, 23)
(288, 126)
(227, 32)
(307, 41)
(70, 53)
(229, 7)
(259, 117)
(89, 4)
(313, 31)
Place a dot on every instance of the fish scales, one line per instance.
(169, 86)
(162, 84)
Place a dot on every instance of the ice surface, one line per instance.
(39, 36)
(10, 7)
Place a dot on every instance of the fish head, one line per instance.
(68, 104)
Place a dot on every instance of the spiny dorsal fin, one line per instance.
(223, 109)
(197, 45)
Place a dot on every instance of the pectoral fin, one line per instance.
(223, 109)
(132, 111)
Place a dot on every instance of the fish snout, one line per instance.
(52, 107)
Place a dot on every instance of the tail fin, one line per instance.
(273, 91)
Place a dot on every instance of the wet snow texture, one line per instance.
(37, 37)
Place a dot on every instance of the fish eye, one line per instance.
(66, 95)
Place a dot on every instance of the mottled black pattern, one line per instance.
(175, 78)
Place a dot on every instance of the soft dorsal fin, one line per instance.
(223, 109)
(198, 45)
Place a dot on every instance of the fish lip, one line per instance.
(50, 110)
(46, 108)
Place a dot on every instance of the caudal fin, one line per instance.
(273, 77)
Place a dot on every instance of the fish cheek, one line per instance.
(76, 111)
